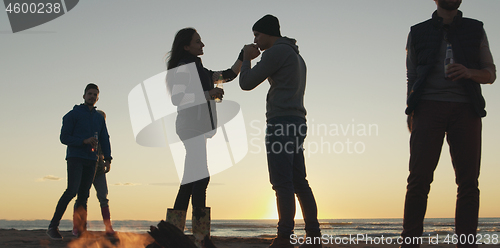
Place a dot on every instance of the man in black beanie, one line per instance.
(286, 130)
(268, 24)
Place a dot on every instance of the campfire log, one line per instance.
(167, 235)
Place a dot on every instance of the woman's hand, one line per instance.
(216, 93)
(251, 51)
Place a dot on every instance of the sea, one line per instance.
(359, 229)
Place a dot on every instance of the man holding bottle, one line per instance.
(448, 58)
(285, 70)
(77, 132)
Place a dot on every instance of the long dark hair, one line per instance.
(182, 38)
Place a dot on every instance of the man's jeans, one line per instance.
(284, 139)
(433, 120)
(80, 177)
(101, 188)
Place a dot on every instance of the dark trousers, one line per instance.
(80, 177)
(197, 190)
(101, 188)
(287, 172)
(196, 175)
(433, 120)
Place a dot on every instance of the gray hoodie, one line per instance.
(285, 70)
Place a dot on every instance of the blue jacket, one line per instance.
(79, 124)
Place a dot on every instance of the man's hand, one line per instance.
(250, 51)
(107, 166)
(91, 141)
(216, 93)
(458, 71)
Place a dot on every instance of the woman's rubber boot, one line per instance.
(106, 218)
(201, 227)
(177, 218)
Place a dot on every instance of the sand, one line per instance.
(11, 238)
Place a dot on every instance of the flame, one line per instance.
(121, 240)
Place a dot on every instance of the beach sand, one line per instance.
(11, 238)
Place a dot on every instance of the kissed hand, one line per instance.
(216, 92)
(251, 51)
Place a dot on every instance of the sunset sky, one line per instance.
(355, 98)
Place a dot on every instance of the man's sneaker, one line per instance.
(54, 234)
(280, 242)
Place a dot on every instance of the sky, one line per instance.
(355, 100)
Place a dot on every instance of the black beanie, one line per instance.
(269, 25)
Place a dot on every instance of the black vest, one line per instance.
(465, 36)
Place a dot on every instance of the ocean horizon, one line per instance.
(439, 228)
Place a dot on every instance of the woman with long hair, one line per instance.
(196, 122)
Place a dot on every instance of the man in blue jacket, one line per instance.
(80, 128)
(284, 68)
